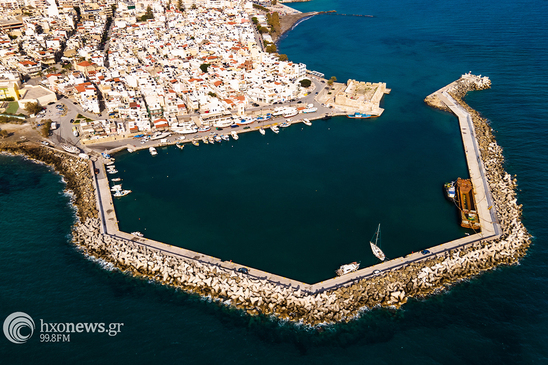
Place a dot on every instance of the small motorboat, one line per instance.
(234, 135)
(348, 268)
(195, 143)
(137, 234)
(262, 131)
(225, 137)
(121, 193)
(275, 129)
(180, 145)
(152, 151)
(307, 122)
(116, 179)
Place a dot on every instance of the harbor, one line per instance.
(502, 240)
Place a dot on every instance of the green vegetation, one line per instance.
(282, 57)
(256, 6)
(12, 108)
(80, 116)
(262, 30)
(33, 108)
(274, 21)
(46, 128)
(271, 48)
(9, 98)
(148, 15)
(305, 83)
(212, 94)
(4, 119)
(204, 67)
(255, 20)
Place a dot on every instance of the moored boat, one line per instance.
(152, 151)
(359, 116)
(307, 122)
(204, 129)
(375, 246)
(348, 268)
(121, 193)
(218, 139)
(467, 205)
(116, 187)
(180, 145)
(262, 131)
(195, 143)
(69, 148)
(137, 234)
(450, 190)
(112, 171)
(285, 124)
(225, 137)
(234, 135)
(274, 129)
(245, 121)
(116, 179)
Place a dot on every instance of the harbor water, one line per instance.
(304, 201)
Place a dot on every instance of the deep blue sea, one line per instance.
(414, 46)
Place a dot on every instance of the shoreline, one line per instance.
(313, 305)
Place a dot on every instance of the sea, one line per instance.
(304, 201)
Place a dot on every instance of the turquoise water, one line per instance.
(416, 47)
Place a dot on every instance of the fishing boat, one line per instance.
(130, 150)
(180, 145)
(348, 268)
(112, 171)
(262, 131)
(307, 122)
(196, 143)
(69, 148)
(160, 135)
(152, 151)
(211, 139)
(359, 116)
(225, 137)
(121, 193)
(375, 246)
(234, 135)
(116, 179)
(285, 124)
(137, 234)
(274, 129)
(204, 129)
(218, 139)
(116, 187)
(450, 190)
(205, 140)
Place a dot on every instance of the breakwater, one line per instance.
(335, 300)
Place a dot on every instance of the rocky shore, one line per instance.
(263, 297)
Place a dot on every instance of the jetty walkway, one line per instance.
(490, 229)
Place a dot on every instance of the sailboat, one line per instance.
(374, 246)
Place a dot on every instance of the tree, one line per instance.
(33, 108)
(204, 67)
(271, 48)
(333, 79)
(255, 20)
(274, 2)
(282, 57)
(46, 128)
(305, 83)
(263, 30)
(149, 13)
(212, 94)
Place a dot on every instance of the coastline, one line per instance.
(258, 296)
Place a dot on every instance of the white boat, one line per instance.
(116, 179)
(307, 122)
(375, 246)
(274, 129)
(159, 135)
(290, 113)
(262, 131)
(310, 110)
(285, 124)
(120, 193)
(85, 156)
(112, 171)
(195, 143)
(152, 151)
(246, 121)
(235, 135)
(218, 139)
(137, 234)
(180, 146)
(225, 137)
(205, 140)
(69, 148)
(130, 150)
(348, 268)
(186, 128)
(116, 187)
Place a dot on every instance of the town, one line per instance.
(102, 71)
